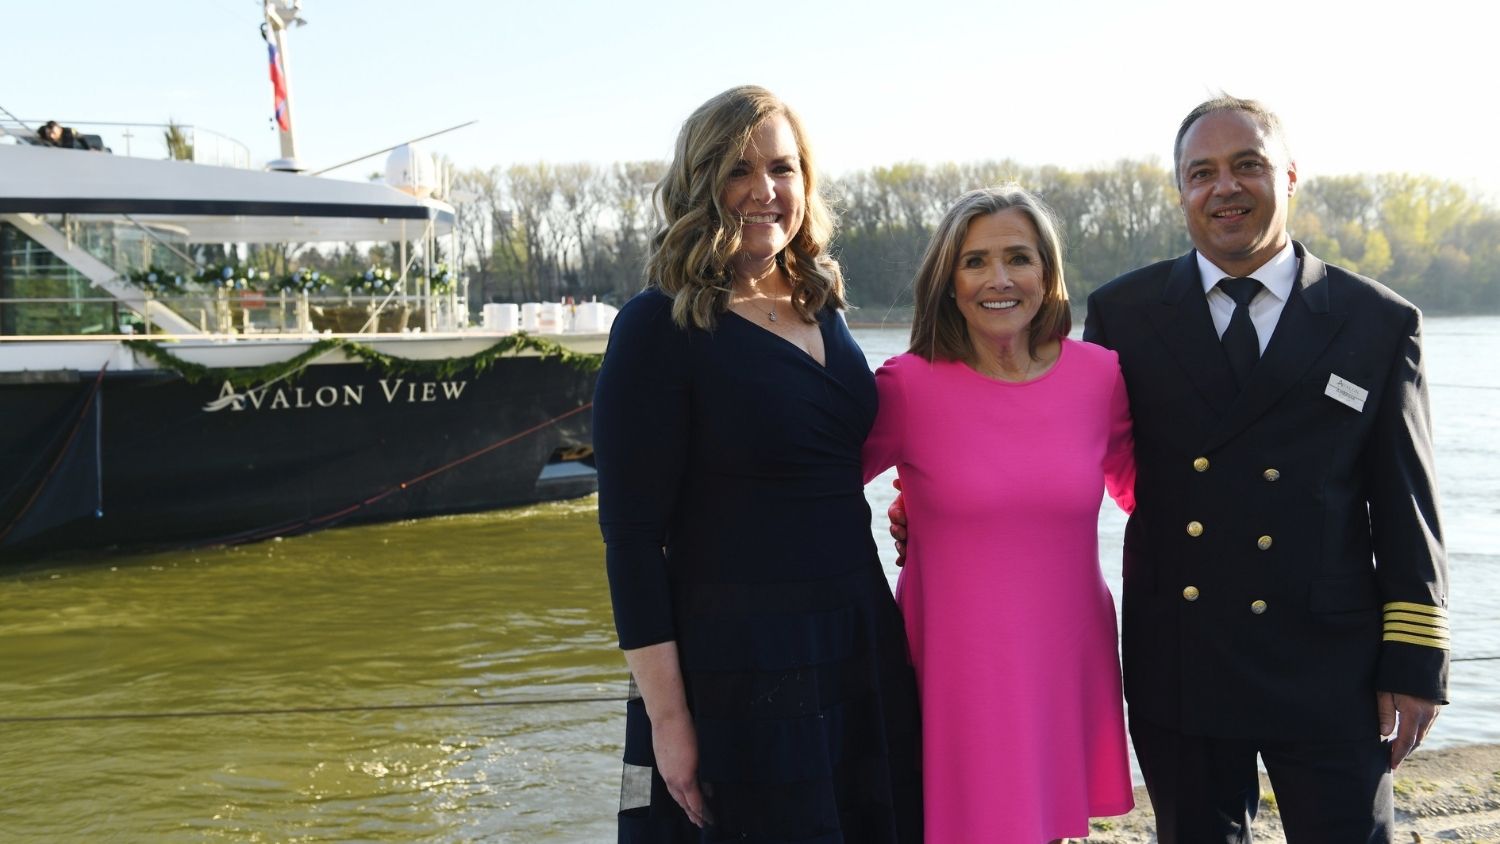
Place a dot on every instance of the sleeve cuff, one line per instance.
(1416, 624)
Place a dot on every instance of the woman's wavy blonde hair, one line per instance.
(692, 254)
(938, 328)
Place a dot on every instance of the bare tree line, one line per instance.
(545, 231)
(541, 231)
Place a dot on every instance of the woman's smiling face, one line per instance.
(998, 279)
(766, 192)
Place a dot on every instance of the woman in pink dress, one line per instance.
(1006, 434)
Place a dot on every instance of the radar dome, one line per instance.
(411, 169)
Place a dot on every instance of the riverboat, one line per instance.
(127, 416)
(157, 391)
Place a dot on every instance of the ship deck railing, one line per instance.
(222, 312)
(182, 141)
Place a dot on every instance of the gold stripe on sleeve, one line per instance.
(1425, 609)
(1414, 618)
(1440, 644)
(1418, 630)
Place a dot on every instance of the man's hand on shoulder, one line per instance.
(1409, 718)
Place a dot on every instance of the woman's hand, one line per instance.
(676, 745)
(658, 674)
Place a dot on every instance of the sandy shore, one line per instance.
(1441, 795)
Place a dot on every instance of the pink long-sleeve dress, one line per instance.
(1011, 625)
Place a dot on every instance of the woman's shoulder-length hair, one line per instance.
(938, 329)
(692, 253)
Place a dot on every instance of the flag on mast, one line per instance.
(278, 86)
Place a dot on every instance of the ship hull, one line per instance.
(143, 458)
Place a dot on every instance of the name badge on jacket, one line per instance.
(1346, 392)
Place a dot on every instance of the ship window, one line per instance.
(69, 303)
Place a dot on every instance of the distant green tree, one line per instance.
(1428, 239)
(179, 144)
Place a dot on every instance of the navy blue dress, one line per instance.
(733, 512)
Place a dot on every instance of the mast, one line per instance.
(281, 15)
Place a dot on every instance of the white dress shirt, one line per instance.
(1276, 278)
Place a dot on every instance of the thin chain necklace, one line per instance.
(1025, 376)
(754, 289)
(999, 374)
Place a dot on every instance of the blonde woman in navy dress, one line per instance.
(776, 699)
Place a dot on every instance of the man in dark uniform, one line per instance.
(1285, 586)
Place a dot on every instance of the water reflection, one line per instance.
(473, 609)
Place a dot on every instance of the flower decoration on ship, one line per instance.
(375, 281)
(230, 277)
(300, 281)
(158, 281)
(442, 280)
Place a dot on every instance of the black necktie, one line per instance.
(1241, 343)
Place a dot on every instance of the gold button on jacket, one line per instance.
(1258, 607)
(1201, 464)
(1190, 593)
(1271, 474)
(1195, 528)
(1264, 543)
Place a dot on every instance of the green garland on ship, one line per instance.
(441, 368)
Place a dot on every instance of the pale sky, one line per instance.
(1362, 86)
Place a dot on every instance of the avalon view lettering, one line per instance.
(394, 391)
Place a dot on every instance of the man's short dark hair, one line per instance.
(1224, 102)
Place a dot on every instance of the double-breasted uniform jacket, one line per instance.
(1284, 560)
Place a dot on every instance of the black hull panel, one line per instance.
(142, 459)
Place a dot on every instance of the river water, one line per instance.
(456, 679)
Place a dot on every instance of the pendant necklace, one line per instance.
(770, 314)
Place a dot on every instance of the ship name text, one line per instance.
(391, 391)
